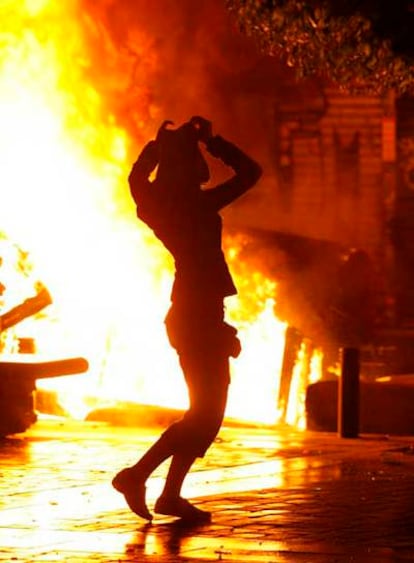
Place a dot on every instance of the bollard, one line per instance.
(348, 394)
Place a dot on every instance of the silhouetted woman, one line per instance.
(186, 219)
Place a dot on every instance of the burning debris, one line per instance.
(20, 366)
(27, 308)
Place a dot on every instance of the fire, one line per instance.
(64, 161)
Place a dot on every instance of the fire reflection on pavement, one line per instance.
(269, 490)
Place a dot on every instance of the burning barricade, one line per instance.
(20, 366)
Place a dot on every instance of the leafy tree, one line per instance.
(361, 45)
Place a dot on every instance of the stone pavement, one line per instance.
(277, 496)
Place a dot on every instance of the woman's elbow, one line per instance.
(253, 173)
(257, 172)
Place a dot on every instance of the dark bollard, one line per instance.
(348, 394)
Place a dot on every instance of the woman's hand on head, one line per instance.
(203, 126)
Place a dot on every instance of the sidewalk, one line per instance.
(276, 496)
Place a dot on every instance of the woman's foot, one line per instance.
(127, 483)
(180, 507)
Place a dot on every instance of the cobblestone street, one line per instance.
(276, 495)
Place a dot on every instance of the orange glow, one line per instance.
(64, 162)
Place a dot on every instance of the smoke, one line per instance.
(171, 60)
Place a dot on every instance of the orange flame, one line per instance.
(64, 162)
